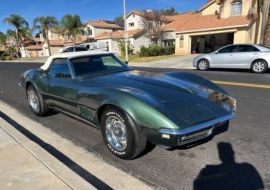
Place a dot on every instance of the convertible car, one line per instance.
(130, 107)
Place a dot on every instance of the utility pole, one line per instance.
(265, 14)
(126, 33)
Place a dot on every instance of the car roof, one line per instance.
(71, 55)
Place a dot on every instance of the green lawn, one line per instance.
(136, 58)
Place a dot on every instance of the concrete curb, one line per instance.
(60, 170)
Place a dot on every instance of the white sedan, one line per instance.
(239, 56)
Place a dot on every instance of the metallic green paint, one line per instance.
(154, 101)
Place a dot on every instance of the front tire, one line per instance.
(36, 102)
(122, 136)
(259, 66)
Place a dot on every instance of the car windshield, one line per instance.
(97, 65)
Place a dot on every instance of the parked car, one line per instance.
(130, 107)
(74, 49)
(241, 56)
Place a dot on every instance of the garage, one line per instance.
(210, 43)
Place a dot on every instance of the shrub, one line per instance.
(156, 50)
(121, 46)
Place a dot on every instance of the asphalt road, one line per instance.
(238, 159)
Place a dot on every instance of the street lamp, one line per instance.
(126, 33)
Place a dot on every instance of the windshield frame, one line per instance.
(95, 74)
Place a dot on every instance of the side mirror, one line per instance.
(216, 52)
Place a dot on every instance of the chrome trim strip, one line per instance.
(197, 127)
(75, 116)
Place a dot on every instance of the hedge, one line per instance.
(156, 50)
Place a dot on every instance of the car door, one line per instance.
(223, 58)
(244, 56)
(60, 91)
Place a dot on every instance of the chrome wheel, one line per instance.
(259, 66)
(203, 65)
(33, 101)
(116, 133)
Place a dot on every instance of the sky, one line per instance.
(87, 9)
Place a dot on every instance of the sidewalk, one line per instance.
(22, 169)
(178, 62)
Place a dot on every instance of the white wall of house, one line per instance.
(95, 31)
(140, 41)
(134, 22)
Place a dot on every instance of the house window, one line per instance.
(181, 44)
(131, 24)
(236, 8)
(133, 15)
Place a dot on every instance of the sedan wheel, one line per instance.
(203, 65)
(259, 66)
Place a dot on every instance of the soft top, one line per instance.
(70, 55)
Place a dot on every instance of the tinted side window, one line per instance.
(228, 49)
(70, 49)
(80, 49)
(252, 49)
(59, 69)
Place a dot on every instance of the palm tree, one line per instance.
(21, 28)
(2, 39)
(44, 24)
(72, 26)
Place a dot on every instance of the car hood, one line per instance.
(184, 98)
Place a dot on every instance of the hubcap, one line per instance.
(259, 66)
(33, 100)
(116, 133)
(202, 65)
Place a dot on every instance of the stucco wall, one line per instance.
(137, 20)
(226, 8)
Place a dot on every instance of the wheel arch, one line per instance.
(259, 59)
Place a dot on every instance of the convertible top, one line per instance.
(71, 55)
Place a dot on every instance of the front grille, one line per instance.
(195, 136)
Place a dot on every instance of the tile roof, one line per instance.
(34, 47)
(119, 34)
(196, 22)
(103, 24)
(59, 42)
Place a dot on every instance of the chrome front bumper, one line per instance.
(195, 133)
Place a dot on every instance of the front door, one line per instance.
(61, 88)
(224, 57)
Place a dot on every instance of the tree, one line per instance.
(21, 29)
(169, 12)
(119, 20)
(2, 39)
(121, 46)
(152, 23)
(43, 25)
(71, 26)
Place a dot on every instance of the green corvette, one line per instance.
(130, 107)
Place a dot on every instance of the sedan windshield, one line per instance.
(97, 65)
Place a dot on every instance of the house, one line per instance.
(218, 23)
(95, 28)
(137, 39)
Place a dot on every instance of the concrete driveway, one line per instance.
(178, 62)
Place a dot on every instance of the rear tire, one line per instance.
(203, 65)
(36, 102)
(259, 66)
(122, 136)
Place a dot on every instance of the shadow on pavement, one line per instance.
(229, 175)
